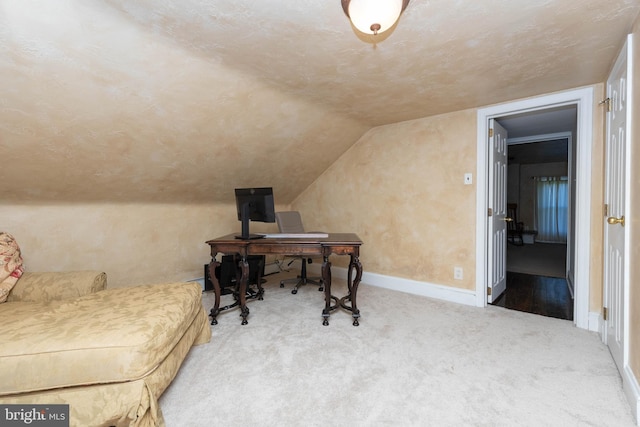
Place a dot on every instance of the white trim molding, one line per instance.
(539, 138)
(596, 323)
(414, 287)
(583, 99)
(632, 391)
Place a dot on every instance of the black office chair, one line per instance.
(291, 222)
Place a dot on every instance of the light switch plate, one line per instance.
(468, 179)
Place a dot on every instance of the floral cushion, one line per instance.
(10, 264)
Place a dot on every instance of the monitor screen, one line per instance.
(254, 204)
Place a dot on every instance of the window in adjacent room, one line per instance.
(552, 208)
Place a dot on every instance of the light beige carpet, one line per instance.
(413, 361)
(540, 259)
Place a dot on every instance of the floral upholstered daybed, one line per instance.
(107, 353)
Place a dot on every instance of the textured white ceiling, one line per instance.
(444, 55)
(166, 100)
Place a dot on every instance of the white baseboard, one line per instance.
(595, 323)
(431, 290)
(446, 293)
(632, 391)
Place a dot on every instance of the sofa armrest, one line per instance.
(49, 286)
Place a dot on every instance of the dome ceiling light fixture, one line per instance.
(373, 17)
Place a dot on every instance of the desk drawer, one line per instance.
(284, 249)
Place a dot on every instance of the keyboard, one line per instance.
(296, 236)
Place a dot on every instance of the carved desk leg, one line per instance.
(326, 278)
(244, 278)
(353, 287)
(260, 289)
(216, 290)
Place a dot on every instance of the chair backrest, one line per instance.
(512, 212)
(289, 222)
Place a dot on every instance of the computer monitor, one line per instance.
(254, 204)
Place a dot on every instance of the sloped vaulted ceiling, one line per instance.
(165, 100)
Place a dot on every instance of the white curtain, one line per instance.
(552, 208)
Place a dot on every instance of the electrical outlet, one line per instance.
(457, 273)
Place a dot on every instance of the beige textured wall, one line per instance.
(400, 188)
(94, 108)
(132, 243)
(634, 212)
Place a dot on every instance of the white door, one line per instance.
(614, 235)
(497, 212)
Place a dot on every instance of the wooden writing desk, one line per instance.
(335, 243)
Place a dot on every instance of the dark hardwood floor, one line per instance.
(547, 296)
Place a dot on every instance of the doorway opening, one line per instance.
(580, 102)
(539, 201)
(545, 296)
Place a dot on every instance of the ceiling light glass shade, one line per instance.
(374, 16)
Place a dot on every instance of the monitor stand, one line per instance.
(244, 217)
(250, 236)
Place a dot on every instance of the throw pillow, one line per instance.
(10, 264)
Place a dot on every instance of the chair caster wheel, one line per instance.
(294, 291)
(281, 285)
(320, 289)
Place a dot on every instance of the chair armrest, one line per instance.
(50, 286)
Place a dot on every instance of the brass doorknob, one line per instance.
(508, 219)
(613, 220)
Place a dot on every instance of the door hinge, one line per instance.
(488, 290)
(490, 133)
(607, 102)
(606, 209)
(605, 313)
(490, 212)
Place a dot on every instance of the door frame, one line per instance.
(583, 99)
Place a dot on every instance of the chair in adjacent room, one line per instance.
(514, 227)
(291, 222)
